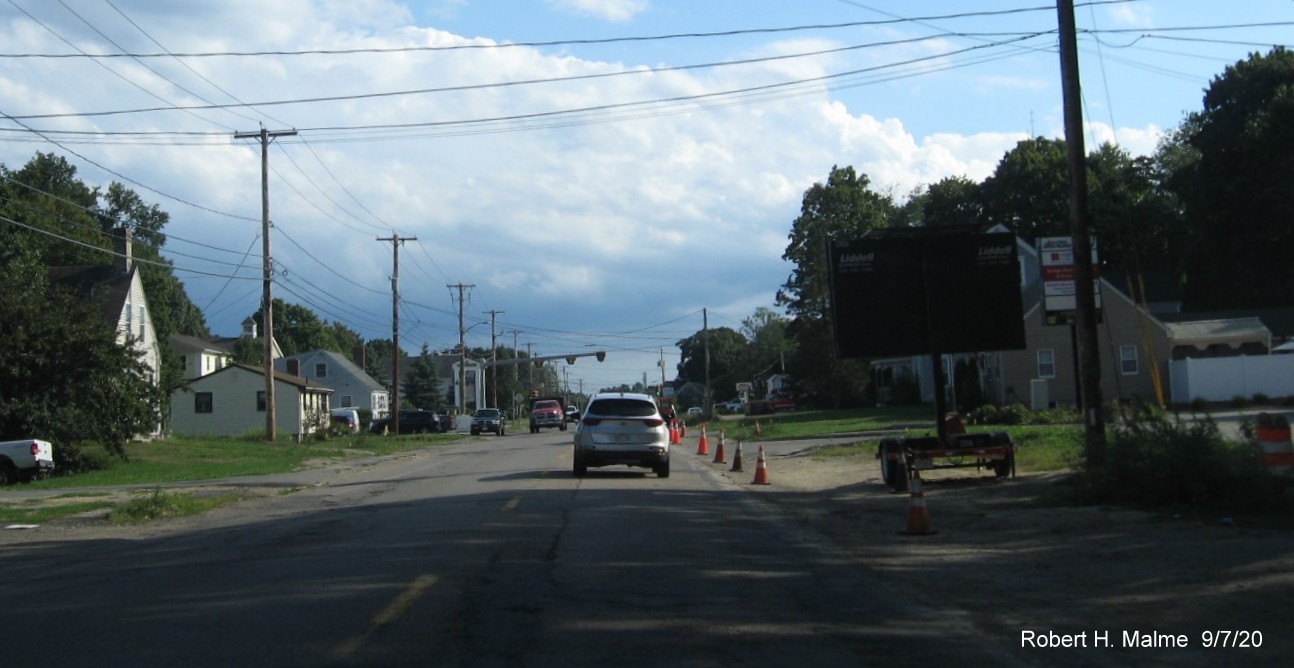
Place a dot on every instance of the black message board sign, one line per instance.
(925, 291)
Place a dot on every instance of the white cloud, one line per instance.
(615, 11)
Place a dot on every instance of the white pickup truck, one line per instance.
(27, 459)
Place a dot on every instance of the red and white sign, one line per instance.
(1059, 296)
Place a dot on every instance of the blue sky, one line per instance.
(598, 193)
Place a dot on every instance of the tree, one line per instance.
(769, 347)
(727, 350)
(1029, 190)
(421, 388)
(1232, 169)
(66, 377)
(843, 208)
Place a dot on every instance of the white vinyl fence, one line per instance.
(1225, 378)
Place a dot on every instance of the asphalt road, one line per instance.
(485, 553)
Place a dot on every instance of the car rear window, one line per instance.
(622, 408)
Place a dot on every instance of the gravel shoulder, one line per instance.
(1017, 561)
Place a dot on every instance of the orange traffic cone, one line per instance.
(736, 459)
(718, 452)
(758, 431)
(703, 443)
(761, 469)
(673, 435)
(918, 516)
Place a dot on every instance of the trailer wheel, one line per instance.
(1005, 467)
(893, 472)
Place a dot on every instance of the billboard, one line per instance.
(925, 291)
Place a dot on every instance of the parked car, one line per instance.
(488, 419)
(734, 405)
(412, 421)
(782, 402)
(447, 423)
(621, 428)
(346, 417)
(572, 413)
(759, 407)
(695, 410)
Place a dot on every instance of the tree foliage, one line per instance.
(1233, 166)
(422, 388)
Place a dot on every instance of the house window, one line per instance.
(130, 317)
(184, 362)
(1128, 360)
(346, 401)
(321, 370)
(260, 401)
(202, 402)
(142, 334)
(1046, 364)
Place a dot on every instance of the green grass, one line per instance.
(804, 424)
(159, 504)
(181, 459)
(1038, 448)
(40, 511)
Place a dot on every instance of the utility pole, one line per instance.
(705, 332)
(662, 372)
(462, 349)
(1089, 354)
(530, 364)
(494, 361)
(267, 297)
(395, 240)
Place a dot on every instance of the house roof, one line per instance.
(296, 381)
(183, 343)
(105, 282)
(1232, 331)
(339, 360)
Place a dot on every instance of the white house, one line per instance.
(119, 291)
(199, 357)
(351, 386)
(231, 402)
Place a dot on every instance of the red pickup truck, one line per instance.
(547, 412)
(782, 402)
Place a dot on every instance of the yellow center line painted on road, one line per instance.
(512, 504)
(393, 612)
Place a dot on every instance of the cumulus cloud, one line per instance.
(616, 11)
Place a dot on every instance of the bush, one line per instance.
(81, 457)
(1157, 461)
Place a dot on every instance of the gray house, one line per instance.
(351, 386)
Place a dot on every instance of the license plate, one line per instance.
(622, 438)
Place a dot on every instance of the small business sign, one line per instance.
(1059, 296)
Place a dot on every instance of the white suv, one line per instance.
(625, 429)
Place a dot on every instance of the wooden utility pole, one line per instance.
(1089, 354)
(462, 349)
(267, 296)
(494, 361)
(395, 240)
(705, 332)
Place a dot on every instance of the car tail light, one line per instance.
(653, 422)
(591, 422)
(35, 448)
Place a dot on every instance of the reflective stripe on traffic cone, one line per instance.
(718, 453)
(736, 459)
(761, 469)
(703, 444)
(918, 517)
